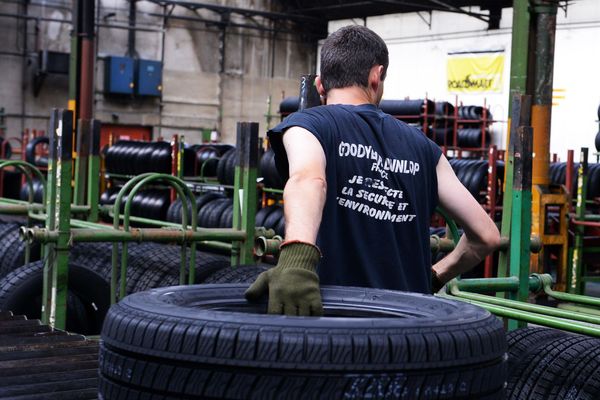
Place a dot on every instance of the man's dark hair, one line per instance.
(348, 55)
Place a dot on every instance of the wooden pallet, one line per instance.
(38, 362)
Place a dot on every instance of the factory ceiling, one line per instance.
(485, 10)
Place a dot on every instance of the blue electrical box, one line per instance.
(119, 75)
(149, 78)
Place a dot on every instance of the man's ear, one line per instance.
(375, 77)
(319, 85)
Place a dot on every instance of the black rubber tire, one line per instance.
(30, 155)
(478, 181)
(223, 166)
(535, 376)
(262, 215)
(582, 380)
(207, 342)
(87, 304)
(163, 269)
(230, 167)
(522, 342)
(280, 228)
(149, 264)
(12, 251)
(273, 219)
(226, 220)
(218, 207)
(239, 274)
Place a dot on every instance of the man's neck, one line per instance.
(352, 95)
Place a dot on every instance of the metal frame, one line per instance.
(61, 230)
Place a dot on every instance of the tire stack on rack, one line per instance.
(147, 203)
(133, 158)
(35, 155)
(442, 132)
(473, 174)
(473, 126)
(11, 178)
(203, 159)
(558, 174)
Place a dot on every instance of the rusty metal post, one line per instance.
(85, 107)
(545, 32)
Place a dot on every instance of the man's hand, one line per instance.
(436, 283)
(293, 285)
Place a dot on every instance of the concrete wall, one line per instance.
(196, 95)
(418, 57)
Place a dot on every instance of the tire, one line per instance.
(522, 342)
(87, 303)
(163, 270)
(535, 376)
(208, 342)
(223, 166)
(583, 379)
(218, 207)
(239, 274)
(30, 155)
(478, 180)
(262, 215)
(273, 219)
(12, 255)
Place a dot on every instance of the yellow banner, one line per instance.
(475, 73)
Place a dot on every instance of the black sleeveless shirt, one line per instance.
(381, 193)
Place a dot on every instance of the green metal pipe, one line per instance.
(77, 223)
(579, 309)
(573, 298)
(131, 188)
(216, 245)
(264, 246)
(451, 224)
(509, 284)
(269, 190)
(543, 320)
(524, 306)
(13, 201)
(147, 221)
(136, 235)
(446, 245)
(24, 208)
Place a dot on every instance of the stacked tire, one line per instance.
(271, 217)
(208, 342)
(147, 203)
(149, 265)
(473, 174)
(203, 159)
(12, 248)
(131, 157)
(558, 173)
(548, 364)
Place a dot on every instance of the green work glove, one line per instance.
(293, 285)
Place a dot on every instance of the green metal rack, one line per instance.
(62, 229)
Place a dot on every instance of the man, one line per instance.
(361, 190)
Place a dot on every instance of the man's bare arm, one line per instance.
(304, 193)
(480, 233)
